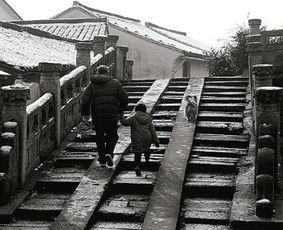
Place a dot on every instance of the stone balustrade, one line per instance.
(268, 158)
(38, 128)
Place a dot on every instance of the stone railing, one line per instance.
(38, 128)
(267, 116)
(9, 161)
(71, 87)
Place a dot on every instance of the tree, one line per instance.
(231, 58)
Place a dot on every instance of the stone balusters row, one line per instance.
(9, 161)
(268, 157)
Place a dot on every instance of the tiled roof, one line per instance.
(135, 27)
(75, 29)
(178, 36)
(21, 50)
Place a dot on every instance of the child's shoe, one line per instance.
(100, 163)
(138, 171)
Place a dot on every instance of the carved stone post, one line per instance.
(98, 46)
(130, 64)
(124, 50)
(111, 40)
(15, 103)
(83, 57)
(50, 83)
(262, 74)
(254, 25)
(267, 104)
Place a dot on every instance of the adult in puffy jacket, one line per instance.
(104, 98)
(143, 134)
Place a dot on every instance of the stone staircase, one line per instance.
(127, 199)
(218, 145)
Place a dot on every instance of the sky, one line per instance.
(208, 21)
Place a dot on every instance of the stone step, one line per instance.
(136, 94)
(42, 206)
(177, 88)
(168, 106)
(68, 159)
(184, 79)
(212, 88)
(207, 210)
(221, 140)
(164, 114)
(154, 158)
(231, 107)
(223, 93)
(129, 182)
(164, 124)
(210, 184)
(26, 225)
(178, 83)
(174, 93)
(163, 136)
(227, 83)
(63, 175)
(131, 106)
(171, 99)
(223, 127)
(220, 116)
(211, 99)
(81, 147)
(134, 99)
(227, 78)
(134, 88)
(137, 83)
(210, 163)
(86, 136)
(192, 226)
(124, 207)
(103, 225)
(218, 151)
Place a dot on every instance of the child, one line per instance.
(142, 134)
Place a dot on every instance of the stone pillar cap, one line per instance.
(83, 46)
(15, 93)
(100, 38)
(254, 22)
(112, 37)
(269, 94)
(49, 67)
(263, 69)
(131, 62)
(124, 49)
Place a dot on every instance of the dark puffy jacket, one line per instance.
(106, 97)
(142, 131)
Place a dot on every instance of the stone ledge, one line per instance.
(164, 205)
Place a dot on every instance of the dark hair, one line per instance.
(102, 69)
(140, 107)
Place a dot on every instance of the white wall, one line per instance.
(151, 61)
